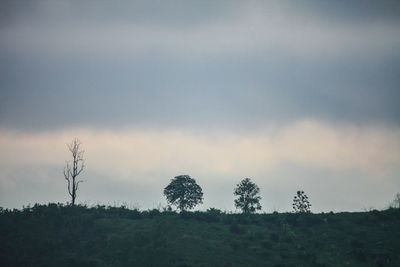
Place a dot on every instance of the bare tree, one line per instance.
(71, 172)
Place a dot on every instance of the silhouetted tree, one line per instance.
(183, 192)
(71, 172)
(301, 203)
(249, 200)
(396, 201)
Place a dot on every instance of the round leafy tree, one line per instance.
(301, 203)
(249, 200)
(183, 192)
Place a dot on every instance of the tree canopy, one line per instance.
(301, 203)
(249, 200)
(183, 192)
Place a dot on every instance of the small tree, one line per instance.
(396, 202)
(183, 192)
(249, 200)
(71, 172)
(301, 204)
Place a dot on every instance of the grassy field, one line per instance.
(58, 235)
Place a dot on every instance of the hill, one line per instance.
(59, 235)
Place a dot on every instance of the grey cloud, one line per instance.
(197, 64)
(211, 94)
(186, 29)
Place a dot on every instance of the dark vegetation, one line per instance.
(301, 203)
(248, 196)
(184, 192)
(60, 235)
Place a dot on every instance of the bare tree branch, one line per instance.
(71, 172)
(77, 184)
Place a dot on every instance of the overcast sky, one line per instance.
(293, 94)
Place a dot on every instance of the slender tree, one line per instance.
(301, 204)
(74, 169)
(184, 192)
(396, 201)
(249, 200)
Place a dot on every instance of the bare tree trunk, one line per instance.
(71, 173)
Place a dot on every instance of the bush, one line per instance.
(134, 214)
(292, 219)
(236, 229)
(266, 244)
(274, 237)
(212, 215)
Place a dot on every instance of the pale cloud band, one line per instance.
(338, 165)
(374, 151)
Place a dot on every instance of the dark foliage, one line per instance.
(301, 204)
(59, 235)
(184, 192)
(248, 193)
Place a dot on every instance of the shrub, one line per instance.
(235, 228)
(274, 237)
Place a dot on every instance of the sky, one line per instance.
(296, 95)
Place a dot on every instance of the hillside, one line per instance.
(58, 235)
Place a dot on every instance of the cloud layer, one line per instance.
(243, 27)
(211, 65)
(306, 143)
(151, 158)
